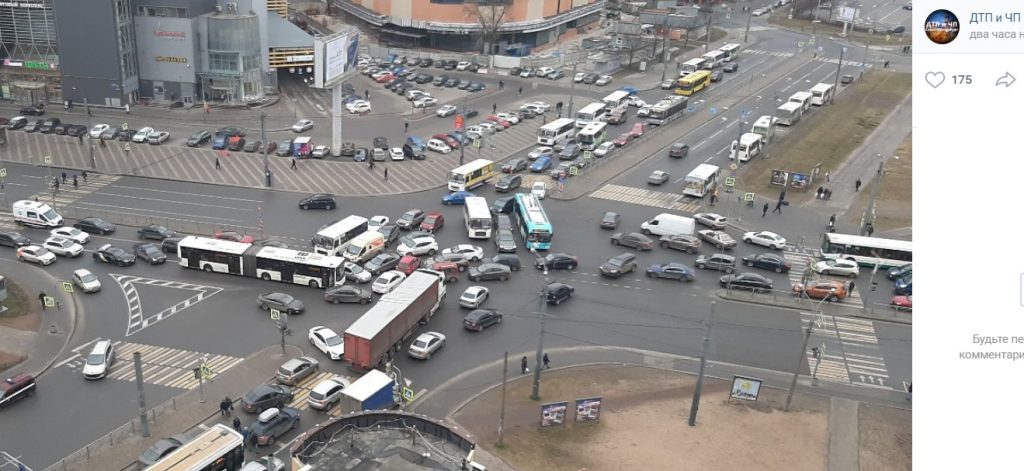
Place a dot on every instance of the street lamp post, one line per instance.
(535, 395)
(868, 219)
(839, 68)
(803, 351)
(88, 121)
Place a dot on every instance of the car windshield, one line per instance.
(419, 344)
(506, 237)
(50, 215)
(316, 395)
(95, 359)
(151, 251)
(353, 250)
(333, 341)
(88, 278)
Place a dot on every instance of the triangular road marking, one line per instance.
(137, 319)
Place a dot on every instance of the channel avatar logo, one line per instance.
(942, 26)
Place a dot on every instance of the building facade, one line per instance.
(98, 61)
(459, 25)
(167, 39)
(29, 63)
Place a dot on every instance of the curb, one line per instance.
(846, 310)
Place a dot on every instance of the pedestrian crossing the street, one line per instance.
(849, 351)
(830, 60)
(640, 196)
(161, 366)
(800, 263)
(68, 193)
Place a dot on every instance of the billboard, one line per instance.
(588, 408)
(553, 413)
(334, 56)
(745, 388)
(847, 14)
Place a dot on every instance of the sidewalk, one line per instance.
(56, 328)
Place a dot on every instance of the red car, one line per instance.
(408, 264)
(902, 303)
(233, 237)
(495, 119)
(384, 78)
(623, 139)
(638, 129)
(450, 270)
(451, 141)
(433, 222)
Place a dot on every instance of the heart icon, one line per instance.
(935, 78)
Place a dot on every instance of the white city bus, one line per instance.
(591, 113)
(267, 263)
(478, 218)
(821, 94)
(789, 113)
(615, 99)
(692, 66)
(592, 136)
(746, 148)
(804, 98)
(867, 251)
(219, 448)
(332, 239)
(732, 51)
(765, 126)
(471, 175)
(714, 59)
(701, 180)
(556, 131)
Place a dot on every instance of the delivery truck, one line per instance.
(377, 336)
(374, 391)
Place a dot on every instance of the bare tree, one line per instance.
(634, 43)
(491, 15)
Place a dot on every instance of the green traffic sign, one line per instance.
(275, 314)
(730, 181)
(408, 394)
(574, 171)
(48, 301)
(748, 197)
(67, 287)
(588, 155)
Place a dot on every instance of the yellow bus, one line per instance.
(693, 83)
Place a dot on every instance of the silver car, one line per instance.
(325, 395)
(426, 345)
(712, 220)
(658, 177)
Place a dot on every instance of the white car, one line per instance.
(86, 281)
(712, 220)
(489, 127)
(97, 130)
(387, 281)
(462, 65)
(766, 239)
(634, 100)
(426, 345)
(537, 153)
(143, 134)
(579, 77)
(757, 12)
(99, 359)
(438, 145)
(604, 149)
(62, 246)
(415, 94)
(302, 125)
(474, 133)
(327, 341)
(539, 190)
(544, 71)
(474, 296)
(469, 252)
(644, 111)
(376, 222)
(603, 80)
(538, 105)
(424, 245)
(359, 107)
(356, 273)
(424, 102)
(511, 118)
(325, 395)
(397, 153)
(72, 233)
(320, 152)
(446, 110)
(158, 137)
(36, 254)
(837, 267)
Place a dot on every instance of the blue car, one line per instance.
(904, 286)
(541, 164)
(630, 90)
(458, 197)
(220, 141)
(416, 143)
(457, 135)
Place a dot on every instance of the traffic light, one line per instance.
(396, 393)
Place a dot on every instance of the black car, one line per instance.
(515, 71)
(114, 255)
(14, 239)
(475, 87)
(125, 135)
(281, 302)
(426, 62)
(61, 129)
(49, 125)
(361, 154)
(505, 241)
(252, 146)
(150, 253)
(767, 261)
(348, 149)
(162, 448)
(508, 183)
(236, 145)
(507, 259)
(32, 111)
(198, 138)
(381, 263)
(490, 271)
(591, 78)
(558, 292)
(231, 132)
(557, 261)
(155, 232)
(504, 222)
(267, 431)
(380, 142)
(347, 294)
(390, 233)
(318, 201)
(94, 226)
(480, 319)
(503, 205)
(451, 65)
(75, 130)
(610, 220)
(170, 244)
(470, 112)
(410, 219)
(634, 240)
(679, 150)
(284, 149)
(619, 265)
(751, 281)
(515, 165)
(731, 67)
(267, 396)
(440, 80)
(424, 78)
(452, 82)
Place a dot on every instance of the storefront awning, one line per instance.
(281, 33)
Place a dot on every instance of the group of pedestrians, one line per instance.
(524, 364)
(226, 408)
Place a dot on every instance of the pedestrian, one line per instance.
(544, 119)
(520, 91)
(886, 64)
(407, 127)
(832, 219)
(237, 423)
(712, 199)
(910, 389)
(856, 185)
(74, 181)
(367, 94)
(828, 194)
(523, 365)
(764, 210)
(828, 176)
(246, 433)
(371, 165)
(42, 299)
(216, 163)
(103, 143)
(821, 192)
(80, 139)
(547, 362)
(293, 164)
(850, 286)
(56, 184)
(385, 174)
(501, 84)
(494, 108)
(782, 195)
(85, 177)
(226, 407)
(778, 207)
(64, 177)
(871, 229)
(252, 439)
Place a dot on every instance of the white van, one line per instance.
(438, 145)
(666, 224)
(34, 213)
(365, 246)
(99, 360)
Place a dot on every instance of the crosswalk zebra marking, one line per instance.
(849, 351)
(161, 366)
(642, 197)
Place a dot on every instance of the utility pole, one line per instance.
(869, 212)
(700, 374)
(750, 14)
(88, 120)
(283, 327)
(202, 363)
(799, 361)
(501, 418)
(137, 358)
(839, 68)
(572, 89)
(540, 338)
(263, 138)
(664, 47)
(48, 160)
(707, 32)
(867, 45)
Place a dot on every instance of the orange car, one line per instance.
(829, 290)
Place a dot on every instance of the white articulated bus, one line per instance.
(478, 218)
(334, 238)
(804, 98)
(789, 113)
(268, 263)
(714, 59)
(765, 126)
(732, 51)
(556, 131)
(746, 148)
(615, 99)
(701, 181)
(591, 113)
(821, 94)
(692, 66)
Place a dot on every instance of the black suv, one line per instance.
(619, 265)
(14, 239)
(266, 396)
(558, 292)
(198, 138)
(32, 111)
(318, 201)
(275, 425)
(410, 219)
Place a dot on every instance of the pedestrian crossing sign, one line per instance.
(127, 147)
(588, 155)
(124, 126)
(408, 394)
(275, 315)
(748, 197)
(48, 301)
(67, 287)
(574, 171)
(476, 143)
(730, 181)
(3, 173)
(206, 371)
(47, 160)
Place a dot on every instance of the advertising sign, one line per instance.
(745, 388)
(588, 408)
(799, 181)
(553, 413)
(334, 56)
(780, 177)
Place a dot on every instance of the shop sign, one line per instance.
(175, 35)
(181, 60)
(30, 64)
(302, 58)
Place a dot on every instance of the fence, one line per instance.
(185, 226)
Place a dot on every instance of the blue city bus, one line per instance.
(533, 222)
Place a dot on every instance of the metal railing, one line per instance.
(184, 226)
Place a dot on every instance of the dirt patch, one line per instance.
(885, 438)
(9, 360)
(21, 313)
(831, 135)
(893, 208)
(644, 420)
